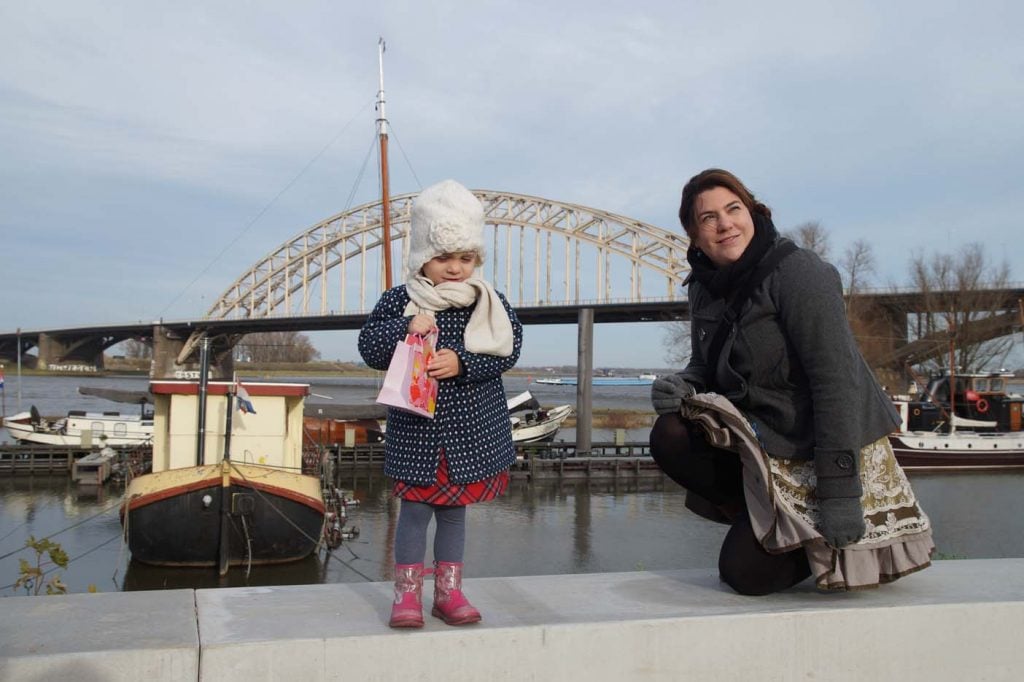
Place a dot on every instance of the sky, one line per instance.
(151, 152)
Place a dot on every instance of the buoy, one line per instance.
(982, 405)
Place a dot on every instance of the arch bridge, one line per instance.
(541, 253)
(554, 261)
(549, 258)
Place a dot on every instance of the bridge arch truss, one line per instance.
(541, 252)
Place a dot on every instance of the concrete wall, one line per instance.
(957, 620)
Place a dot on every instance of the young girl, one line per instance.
(463, 454)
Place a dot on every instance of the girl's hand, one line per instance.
(421, 324)
(444, 365)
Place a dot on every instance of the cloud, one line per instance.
(166, 132)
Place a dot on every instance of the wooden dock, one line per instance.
(536, 461)
(37, 460)
(95, 468)
(53, 460)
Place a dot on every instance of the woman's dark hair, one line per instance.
(709, 179)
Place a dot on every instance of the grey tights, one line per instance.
(411, 534)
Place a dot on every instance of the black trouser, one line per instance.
(681, 451)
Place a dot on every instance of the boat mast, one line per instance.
(224, 539)
(385, 192)
(204, 371)
(952, 384)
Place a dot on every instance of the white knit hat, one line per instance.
(446, 218)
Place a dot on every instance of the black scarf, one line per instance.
(723, 281)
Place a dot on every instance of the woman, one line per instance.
(808, 419)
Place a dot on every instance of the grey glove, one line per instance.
(840, 520)
(667, 393)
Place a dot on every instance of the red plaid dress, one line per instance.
(444, 492)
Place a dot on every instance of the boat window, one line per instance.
(97, 427)
(120, 429)
(981, 384)
(997, 385)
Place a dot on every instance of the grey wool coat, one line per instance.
(471, 421)
(792, 366)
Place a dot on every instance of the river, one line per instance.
(535, 529)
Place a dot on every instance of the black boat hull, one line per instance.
(174, 519)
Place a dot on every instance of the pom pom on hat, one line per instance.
(446, 218)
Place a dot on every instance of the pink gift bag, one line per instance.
(406, 384)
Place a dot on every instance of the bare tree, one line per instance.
(288, 346)
(677, 343)
(858, 263)
(136, 349)
(812, 236)
(962, 305)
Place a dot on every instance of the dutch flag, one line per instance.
(244, 401)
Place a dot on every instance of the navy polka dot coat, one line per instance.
(471, 421)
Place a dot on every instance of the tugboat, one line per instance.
(227, 490)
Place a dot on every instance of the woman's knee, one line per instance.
(749, 569)
(669, 435)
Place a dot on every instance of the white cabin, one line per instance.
(270, 436)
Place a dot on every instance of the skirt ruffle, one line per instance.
(783, 507)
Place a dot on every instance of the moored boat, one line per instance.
(348, 425)
(532, 423)
(961, 449)
(969, 420)
(235, 496)
(80, 429)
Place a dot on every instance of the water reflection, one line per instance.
(537, 528)
(139, 576)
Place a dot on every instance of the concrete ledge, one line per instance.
(956, 620)
(92, 637)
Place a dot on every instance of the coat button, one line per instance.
(844, 461)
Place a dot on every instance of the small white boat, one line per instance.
(532, 423)
(80, 429)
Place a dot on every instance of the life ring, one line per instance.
(981, 405)
(917, 411)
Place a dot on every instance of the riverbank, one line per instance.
(121, 366)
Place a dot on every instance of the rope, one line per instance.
(407, 162)
(292, 524)
(11, 531)
(248, 547)
(74, 525)
(359, 176)
(124, 527)
(266, 208)
(70, 561)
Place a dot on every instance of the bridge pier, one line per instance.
(58, 354)
(584, 374)
(176, 356)
(881, 330)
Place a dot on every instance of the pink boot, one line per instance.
(450, 604)
(407, 609)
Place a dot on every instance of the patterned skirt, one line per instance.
(445, 493)
(897, 538)
(783, 507)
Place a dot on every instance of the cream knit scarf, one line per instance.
(489, 330)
